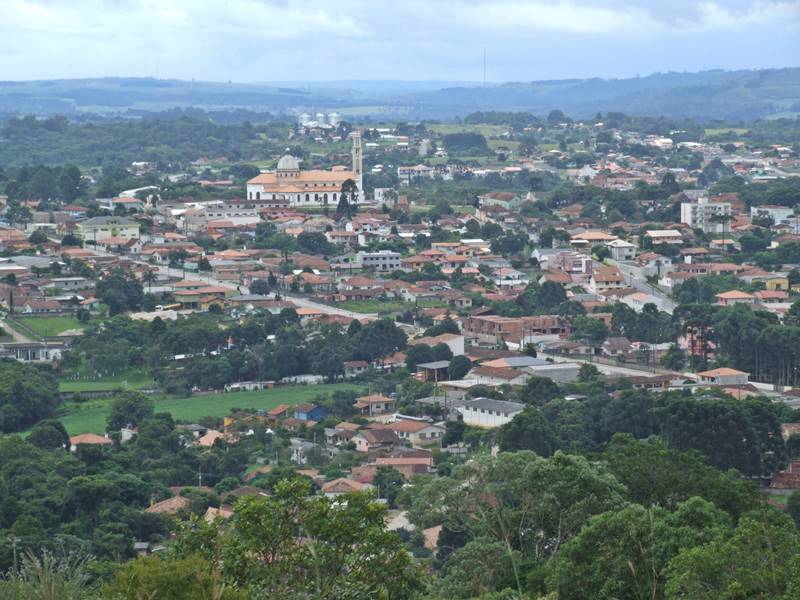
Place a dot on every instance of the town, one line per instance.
(399, 301)
(374, 316)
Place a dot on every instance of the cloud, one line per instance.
(259, 40)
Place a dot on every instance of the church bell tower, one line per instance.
(358, 164)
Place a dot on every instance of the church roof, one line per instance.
(288, 162)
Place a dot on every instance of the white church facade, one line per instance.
(288, 185)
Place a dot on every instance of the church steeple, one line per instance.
(358, 162)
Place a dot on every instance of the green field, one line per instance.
(485, 130)
(723, 130)
(90, 417)
(380, 307)
(132, 380)
(46, 326)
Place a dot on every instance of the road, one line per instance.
(15, 333)
(603, 368)
(297, 300)
(666, 303)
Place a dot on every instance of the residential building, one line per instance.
(374, 404)
(489, 413)
(383, 260)
(370, 440)
(100, 228)
(417, 432)
(621, 250)
(710, 217)
(724, 376)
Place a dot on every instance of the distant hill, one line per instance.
(710, 95)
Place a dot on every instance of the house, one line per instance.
(621, 250)
(489, 413)
(417, 431)
(664, 236)
(100, 228)
(452, 340)
(370, 440)
(724, 376)
(734, 297)
(41, 307)
(506, 200)
(606, 278)
(787, 481)
(89, 439)
(407, 465)
(342, 485)
(616, 346)
(496, 376)
(279, 412)
(309, 412)
(170, 506)
(374, 404)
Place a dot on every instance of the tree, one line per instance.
(459, 366)
(346, 551)
(538, 391)
(758, 561)
(454, 432)
(388, 481)
(479, 567)
(593, 331)
(49, 435)
(347, 196)
(128, 409)
(657, 475)
(528, 430)
(260, 287)
(674, 358)
(189, 578)
(38, 237)
(27, 395)
(588, 373)
(624, 554)
(71, 240)
(793, 507)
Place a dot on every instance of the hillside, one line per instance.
(711, 95)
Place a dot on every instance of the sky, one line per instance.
(323, 40)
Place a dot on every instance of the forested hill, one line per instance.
(711, 95)
(730, 96)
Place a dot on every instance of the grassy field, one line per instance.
(132, 380)
(377, 306)
(484, 130)
(90, 417)
(723, 130)
(46, 326)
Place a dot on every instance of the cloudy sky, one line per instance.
(305, 40)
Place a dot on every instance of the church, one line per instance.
(289, 185)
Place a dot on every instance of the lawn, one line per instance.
(380, 307)
(90, 417)
(724, 130)
(46, 326)
(131, 380)
(485, 130)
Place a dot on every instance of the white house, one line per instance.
(621, 250)
(489, 413)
